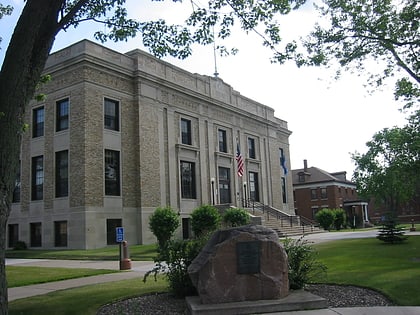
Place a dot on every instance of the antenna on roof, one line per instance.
(216, 74)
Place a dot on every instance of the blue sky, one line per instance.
(329, 119)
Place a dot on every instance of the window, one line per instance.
(62, 115)
(13, 234)
(36, 234)
(60, 233)
(323, 193)
(61, 174)
(283, 189)
(112, 173)
(186, 136)
(186, 228)
(222, 140)
(251, 148)
(254, 194)
(111, 233)
(111, 115)
(314, 194)
(224, 185)
(188, 190)
(38, 122)
(301, 177)
(37, 178)
(16, 189)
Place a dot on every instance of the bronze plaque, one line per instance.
(248, 257)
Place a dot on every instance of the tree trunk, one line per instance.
(21, 70)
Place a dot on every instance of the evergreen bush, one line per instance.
(163, 224)
(236, 217)
(204, 220)
(391, 232)
(325, 218)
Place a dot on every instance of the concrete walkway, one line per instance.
(139, 268)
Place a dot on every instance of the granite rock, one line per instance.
(229, 270)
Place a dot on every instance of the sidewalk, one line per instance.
(139, 268)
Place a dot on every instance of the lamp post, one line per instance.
(245, 196)
(212, 190)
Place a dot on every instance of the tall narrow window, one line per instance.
(13, 234)
(112, 173)
(222, 140)
(16, 190)
(224, 185)
(188, 189)
(314, 194)
(111, 115)
(36, 234)
(254, 193)
(251, 148)
(38, 122)
(60, 233)
(62, 173)
(111, 233)
(62, 115)
(186, 136)
(323, 193)
(283, 189)
(37, 177)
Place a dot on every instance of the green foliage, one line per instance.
(303, 263)
(353, 32)
(339, 218)
(236, 217)
(205, 219)
(391, 232)
(163, 224)
(325, 218)
(387, 170)
(20, 245)
(173, 261)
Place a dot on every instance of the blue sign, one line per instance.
(119, 231)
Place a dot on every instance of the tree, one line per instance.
(389, 170)
(356, 32)
(33, 37)
(204, 220)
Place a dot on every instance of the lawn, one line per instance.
(137, 252)
(85, 300)
(18, 276)
(391, 269)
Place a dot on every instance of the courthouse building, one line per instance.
(122, 134)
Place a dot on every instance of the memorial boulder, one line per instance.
(241, 264)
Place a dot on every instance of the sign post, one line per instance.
(119, 234)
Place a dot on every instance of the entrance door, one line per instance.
(224, 185)
(254, 190)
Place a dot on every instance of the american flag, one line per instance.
(240, 161)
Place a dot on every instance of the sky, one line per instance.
(329, 119)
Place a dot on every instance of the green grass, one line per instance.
(18, 276)
(391, 269)
(86, 300)
(137, 252)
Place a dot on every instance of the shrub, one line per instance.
(303, 265)
(163, 224)
(174, 263)
(20, 245)
(339, 218)
(236, 217)
(204, 220)
(325, 218)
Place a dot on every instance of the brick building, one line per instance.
(315, 189)
(122, 134)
